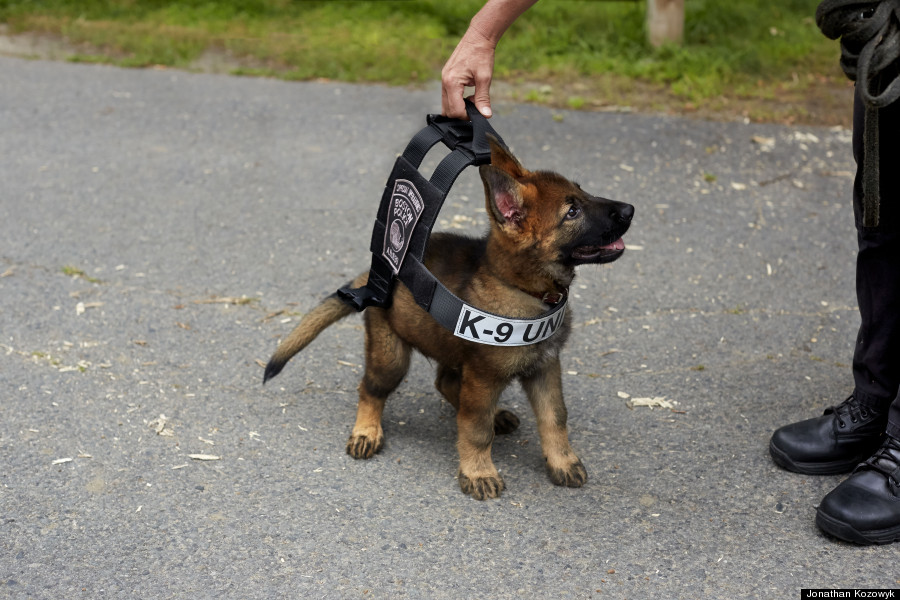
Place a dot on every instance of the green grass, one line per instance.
(742, 47)
(78, 273)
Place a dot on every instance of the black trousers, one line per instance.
(876, 358)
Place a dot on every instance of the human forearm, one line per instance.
(472, 62)
(495, 17)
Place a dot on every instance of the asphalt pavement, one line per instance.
(160, 231)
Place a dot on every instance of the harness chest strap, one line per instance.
(407, 214)
(471, 323)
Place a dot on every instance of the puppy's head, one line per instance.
(543, 214)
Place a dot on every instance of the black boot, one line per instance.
(865, 508)
(834, 443)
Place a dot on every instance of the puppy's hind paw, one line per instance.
(505, 422)
(361, 446)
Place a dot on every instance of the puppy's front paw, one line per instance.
(364, 446)
(572, 475)
(482, 488)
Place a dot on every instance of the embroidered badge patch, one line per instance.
(403, 213)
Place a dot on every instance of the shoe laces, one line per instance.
(849, 409)
(887, 462)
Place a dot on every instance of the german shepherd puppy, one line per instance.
(541, 227)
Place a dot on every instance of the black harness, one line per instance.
(407, 213)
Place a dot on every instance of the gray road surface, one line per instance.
(160, 231)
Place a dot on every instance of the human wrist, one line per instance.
(479, 34)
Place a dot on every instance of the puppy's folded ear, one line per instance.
(503, 159)
(503, 196)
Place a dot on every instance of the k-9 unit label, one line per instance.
(485, 328)
(403, 213)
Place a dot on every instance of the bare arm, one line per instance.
(472, 62)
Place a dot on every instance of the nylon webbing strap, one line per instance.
(471, 323)
(408, 211)
(869, 31)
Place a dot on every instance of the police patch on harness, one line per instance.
(485, 328)
(403, 213)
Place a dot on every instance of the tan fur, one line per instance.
(327, 313)
(523, 253)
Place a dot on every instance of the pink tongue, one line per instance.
(619, 244)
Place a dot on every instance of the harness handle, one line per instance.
(472, 134)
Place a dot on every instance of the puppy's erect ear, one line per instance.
(504, 159)
(504, 195)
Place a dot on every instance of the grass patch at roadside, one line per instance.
(595, 52)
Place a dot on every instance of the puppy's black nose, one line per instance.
(622, 213)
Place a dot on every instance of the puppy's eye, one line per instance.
(574, 213)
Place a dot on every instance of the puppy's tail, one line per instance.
(331, 310)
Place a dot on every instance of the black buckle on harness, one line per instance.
(406, 215)
(468, 136)
(454, 132)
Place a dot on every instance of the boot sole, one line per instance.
(848, 533)
(840, 467)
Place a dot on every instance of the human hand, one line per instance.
(471, 64)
